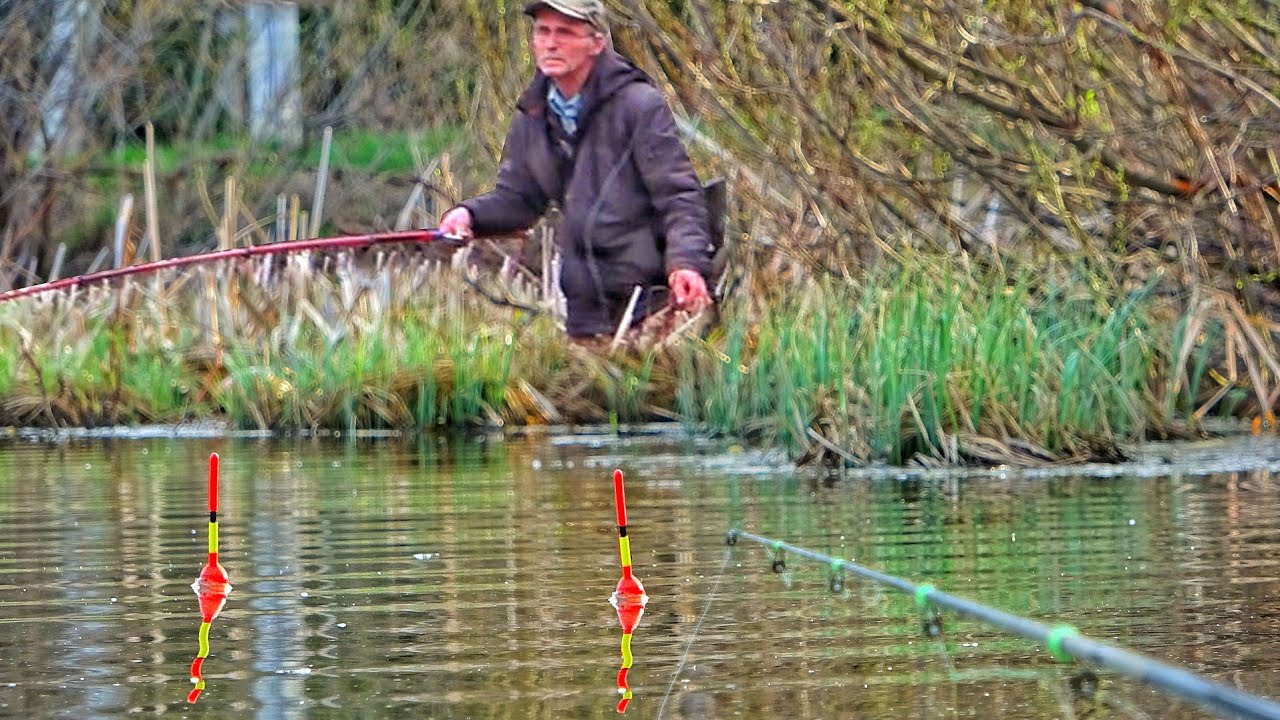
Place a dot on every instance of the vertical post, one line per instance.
(274, 97)
(75, 25)
(547, 247)
(282, 226)
(122, 229)
(56, 271)
(228, 239)
(149, 188)
(322, 180)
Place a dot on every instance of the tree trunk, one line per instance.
(274, 97)
(71, 37)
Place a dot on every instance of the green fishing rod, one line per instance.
(1062, 641)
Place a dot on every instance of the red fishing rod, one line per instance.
(280, 248)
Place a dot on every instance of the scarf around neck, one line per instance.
(566, 110)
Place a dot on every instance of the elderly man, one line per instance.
(594, 136)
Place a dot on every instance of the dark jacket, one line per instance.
(633, 209)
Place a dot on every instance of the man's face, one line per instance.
(564, 46)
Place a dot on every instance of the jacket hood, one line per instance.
(611, 74)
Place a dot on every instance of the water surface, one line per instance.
(470, 578)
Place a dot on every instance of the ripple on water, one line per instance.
(464, 579)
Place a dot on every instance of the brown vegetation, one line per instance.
(1137, 136)
(179, 65)
(1096, 126)
(1128, 140)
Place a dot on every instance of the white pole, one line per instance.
(322, 180)
(74, 29)
(122, 228)
(275, 100)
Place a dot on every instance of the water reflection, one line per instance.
(212, 593)
(459, 580)
(279, 591)
(630, 609)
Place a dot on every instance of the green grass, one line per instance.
(373, 156)
(383, 152)
(424, 370)
(910, 361)
(160, 389)
(929, 351)
(352, 149)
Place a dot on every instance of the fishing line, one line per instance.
(931, 625)
(697, 627)
(1084, 690)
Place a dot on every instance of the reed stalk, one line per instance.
(955, 250)
(920, 361)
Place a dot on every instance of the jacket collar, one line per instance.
(611, 73)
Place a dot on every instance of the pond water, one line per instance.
(469, 578)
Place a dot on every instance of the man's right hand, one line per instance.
(689, 290)
(457, 223)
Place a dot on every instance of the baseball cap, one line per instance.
(591, 11)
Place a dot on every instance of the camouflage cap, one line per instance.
(590, 11)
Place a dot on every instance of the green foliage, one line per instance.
(378, 152)
(356, 149)
(159, 387)
(387, 76)
(8, 370)
(918, 360)
(931, 350)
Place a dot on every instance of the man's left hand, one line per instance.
(689, 290)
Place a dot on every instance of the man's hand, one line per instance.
(457, 222)
(689, 290)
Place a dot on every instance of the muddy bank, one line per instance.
(1232, 450)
